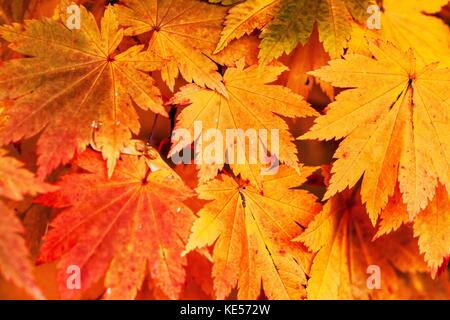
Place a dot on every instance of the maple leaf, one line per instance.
(183, 32)
(395, 124)
(15, 264)
(253, 104)
(74, 88)
(120, 227)
(342, 237)
(285, 23)
(252, 232)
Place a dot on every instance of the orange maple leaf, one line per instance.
(74, 88)
(120, 227)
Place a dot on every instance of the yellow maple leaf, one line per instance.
(395, 124)
(252, 231)
(253, 104)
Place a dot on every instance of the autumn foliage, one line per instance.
(89, 123)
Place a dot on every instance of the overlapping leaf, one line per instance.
(346, 255)
(225, 2)
(431, 226)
